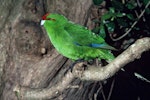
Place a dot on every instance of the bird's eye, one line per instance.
(50, 19)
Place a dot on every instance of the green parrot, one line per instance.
(75, 41)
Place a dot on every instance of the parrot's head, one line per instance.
(53, 20)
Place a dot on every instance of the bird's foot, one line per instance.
(95, 62)
(75, 63)
(79, 68)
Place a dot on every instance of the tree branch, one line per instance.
(25, 93)
(92, 73)
(129, 55)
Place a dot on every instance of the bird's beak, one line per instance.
(42, 22)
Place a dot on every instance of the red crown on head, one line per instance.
(45, 16)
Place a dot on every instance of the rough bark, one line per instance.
(27, 57)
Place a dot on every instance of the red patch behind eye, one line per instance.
(45, 16)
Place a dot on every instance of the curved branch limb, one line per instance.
(25, 93)
(93, 73)
(129, 55)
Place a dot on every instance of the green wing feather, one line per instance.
(85, 37)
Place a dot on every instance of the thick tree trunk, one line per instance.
(27, 57)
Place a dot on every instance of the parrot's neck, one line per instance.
(56, 36)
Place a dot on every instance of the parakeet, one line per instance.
(75, 41)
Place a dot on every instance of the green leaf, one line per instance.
(120, 14)
(110, 26)
(117, 5)
(107, 15)
(97, 2)
(131, 4)
(145, 2)
(112, 10)
(113, 18)
(130, 16)
(102, 32)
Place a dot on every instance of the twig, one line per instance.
(128, 31)
(92, 91)
(102, 91)
(111, 89)
(96, 94)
